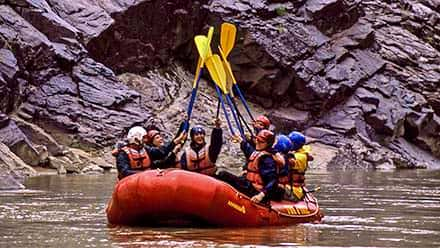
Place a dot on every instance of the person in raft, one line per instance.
(282, 149)
(260, 179)
(164, 153)
(260, 123)
(132, 157)
(199, 156)
(298, 159)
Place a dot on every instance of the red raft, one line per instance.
(173, 197)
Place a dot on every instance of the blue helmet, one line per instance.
(283, 144)
(196, 130)
(298, 140)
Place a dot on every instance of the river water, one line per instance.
(362, 208)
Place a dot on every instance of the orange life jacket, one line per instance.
(139, 159)
(199, 161)
(253, 169)
(281, 162)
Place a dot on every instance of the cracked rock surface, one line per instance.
(361, 77)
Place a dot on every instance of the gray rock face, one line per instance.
(359, 75)
(61, 96)
(148, 34)
(368, 69)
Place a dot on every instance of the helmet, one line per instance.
(151, 134)
(135, 135)
(266, 136)
(196, 130)
(264, 120)
(282, 144)
(298, 140)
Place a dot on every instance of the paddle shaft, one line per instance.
(224, 109)
(218, 109)
(193, 98)
(241, 118)
(229, 70)
(243, 100)
(240, 128)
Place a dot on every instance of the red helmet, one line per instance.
(264, 120)
(151, 134)
(266, 136)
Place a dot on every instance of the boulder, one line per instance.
(322, 156)
(64, 165)
(19, 144)
(92, 169)
(13, 170)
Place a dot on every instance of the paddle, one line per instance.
(315, 189)
(217, 72)
(227, 41)
(218, 76)
(218, 109)
(203, 47)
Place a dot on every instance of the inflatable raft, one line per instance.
(178, 197)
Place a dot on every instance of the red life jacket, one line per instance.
(253, 169)
(281, 162)
(199, 162)
(139, 159)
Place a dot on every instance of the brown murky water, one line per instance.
(363, 209)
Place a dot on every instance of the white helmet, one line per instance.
(135, 135)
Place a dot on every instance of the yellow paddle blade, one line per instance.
(202, 46)
(227, 37)
(227, 66)
(218, 75)
(209, 37)
(229, 78)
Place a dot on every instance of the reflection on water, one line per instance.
(363, 208)
(287, 236)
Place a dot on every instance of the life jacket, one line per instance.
(253, 169)
(282, 168)
(199, 161)
(294, 193)
(139, 159)
(299, 167)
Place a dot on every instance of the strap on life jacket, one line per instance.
(199, 161)
(139, 159)
(252, 169)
